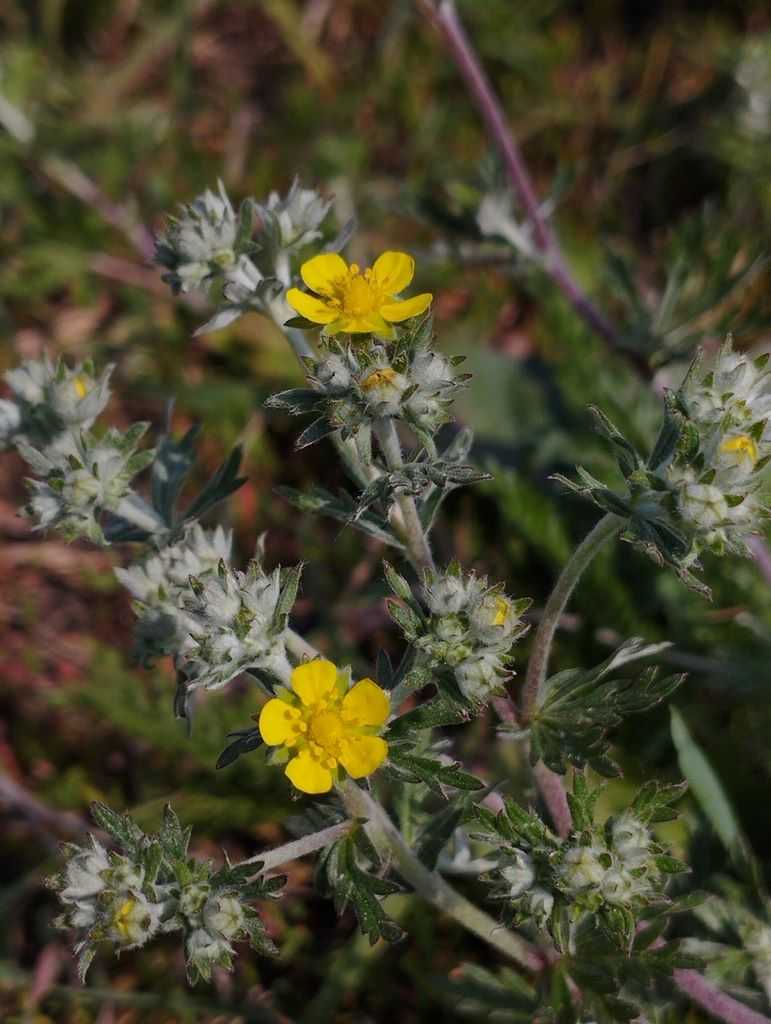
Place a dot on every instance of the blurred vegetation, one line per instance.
(656, 122)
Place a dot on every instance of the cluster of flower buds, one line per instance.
(84, 476)
(292, 221)
(159, 582)
(469, 628)
(47, 399)
(237, 621)
(353, 385)
(601, 877)
(152, 887)
(210, 243)
(717, 477)
(699, 488)
(618, 868)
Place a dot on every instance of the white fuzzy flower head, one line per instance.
(205, 951)
(83, 875)
(224, 915)
(133, 919)
(297, 216)
(446, 595)
(382, 388)
(167, 572)
(235, 624)
(192, 899)
(49, 398)
(471, 630)
(481, 677)
(77, 396)
(519, 874)
(582, 867)
(703, 505)
(83, 478)
(200, 243)
(631, 841)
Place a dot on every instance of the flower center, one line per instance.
(359, 297)
(743, 446)
(377, 378)
(80, 383)
(326, 728)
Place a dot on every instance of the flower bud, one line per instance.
(520, 874)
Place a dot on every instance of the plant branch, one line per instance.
(272, 859)
(538, 664)
(389, 842)
(717, 1003)
(415, 537)
(445, 18)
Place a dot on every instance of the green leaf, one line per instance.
(707, 788)
(124, 831)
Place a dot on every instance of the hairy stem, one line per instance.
(606, 528)
(389, 842)
(414, 535)
(272, 859)
(299, 648)
(710, 998)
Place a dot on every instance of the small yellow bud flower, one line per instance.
(502, 607)
(353, 301)
(378, 378)
(80, 383)
(324, 725)
(123, 919)
(743, 447)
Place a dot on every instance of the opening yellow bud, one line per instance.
(742, 446)
(501, 611)
(378, 378)
(122, 918)
(80, 383)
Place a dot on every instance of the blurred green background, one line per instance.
(652, 126)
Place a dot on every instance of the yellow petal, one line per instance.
(307, 774)
(362, 755)
(276, 719)
(393, 271)
(324, 272)
(398, 311)
(373, 323)
(366, 704)
(314, 680)
(310, 307)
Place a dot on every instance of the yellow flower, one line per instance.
(123, 920)
(325, 724)
(81, 384)
(353, 301)
(502, 607)
(743, 447)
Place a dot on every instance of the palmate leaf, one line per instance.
(355, 885)
(406, 766)
(579, 709)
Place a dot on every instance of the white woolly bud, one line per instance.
(520, 875)
(225, 915)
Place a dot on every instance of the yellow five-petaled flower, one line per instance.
(354, 301)
(324, 724)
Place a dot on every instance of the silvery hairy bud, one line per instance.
(237, 621)
(200, 244)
